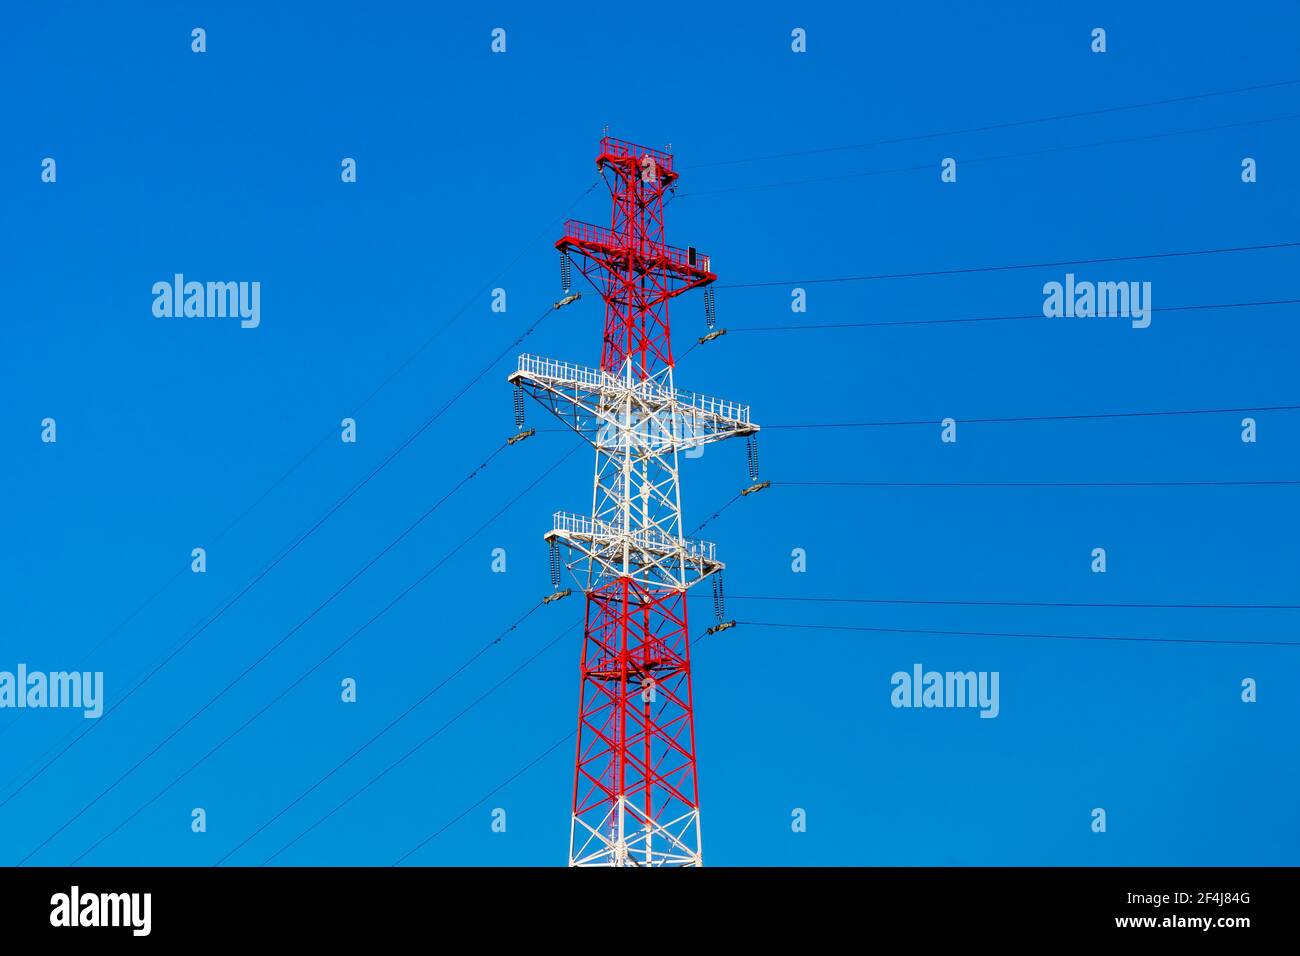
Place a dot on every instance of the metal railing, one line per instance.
(648, 390)
(719, 407)
(587, 232)
(623, 148)
(646, 539)
(549, 368)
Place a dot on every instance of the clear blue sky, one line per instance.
(225, 166)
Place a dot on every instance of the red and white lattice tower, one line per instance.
(636, 791)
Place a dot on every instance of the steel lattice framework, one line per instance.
(636, 789)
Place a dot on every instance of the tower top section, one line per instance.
(629, 263)
(630, 156)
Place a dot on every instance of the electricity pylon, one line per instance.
(636, 789)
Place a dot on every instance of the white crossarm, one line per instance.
(598, 405)
(656, 554)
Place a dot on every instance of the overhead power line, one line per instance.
(973, 270)
(1026, 154)
(696, 530)
(1031, 484)
(405, 443)
(1043, 604)
(324, 437)
(382, 731)
(1009, 419)
(569, 737)
(988, 127)
(411, 587)
(1038, 316)
(1009, 634)
(502, 785)
(487, 796)
(437, 687)
(412, 751)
